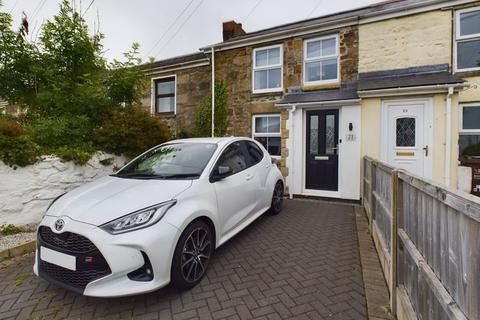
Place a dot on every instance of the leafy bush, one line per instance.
(130, 131)
(10, 229)
(16, 146)
(203, 119)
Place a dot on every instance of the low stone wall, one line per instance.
(25, 193)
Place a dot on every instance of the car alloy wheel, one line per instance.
(192, 255)
(196, 254)
(277, 198)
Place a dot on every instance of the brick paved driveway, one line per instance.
(301, 264)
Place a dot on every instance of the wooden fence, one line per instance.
(428, 240)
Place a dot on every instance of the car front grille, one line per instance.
(90, 263)
(72, 242)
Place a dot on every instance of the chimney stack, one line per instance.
(232, 29)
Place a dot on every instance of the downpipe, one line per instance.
(448, 137)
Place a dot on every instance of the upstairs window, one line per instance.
(267, 69)
(266, 130)
(469, 139)
(468, 39)
(321, 60)
(165, 90)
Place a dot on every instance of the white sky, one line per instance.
(151, 22)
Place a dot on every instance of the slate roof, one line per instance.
(409, 77)
(330, 18)
(345, 92)
(178, 60)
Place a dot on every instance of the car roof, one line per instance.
(220, 140)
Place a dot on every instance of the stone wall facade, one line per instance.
(235, 68)
(193, 85)
(24, 203)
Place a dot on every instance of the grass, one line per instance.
(9, 229)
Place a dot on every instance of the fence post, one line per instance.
(394, 235)
(373, 173)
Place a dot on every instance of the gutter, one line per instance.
(409, 90)
(448, 137)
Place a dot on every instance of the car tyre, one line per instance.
(277, 199)
(192, 255)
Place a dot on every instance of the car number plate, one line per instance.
(58, 258)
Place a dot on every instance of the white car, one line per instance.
(157, 220)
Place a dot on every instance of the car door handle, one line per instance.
(248, 177)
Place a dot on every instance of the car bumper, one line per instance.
(122, 253)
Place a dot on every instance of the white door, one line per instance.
(406, 130)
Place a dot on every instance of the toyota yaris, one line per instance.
(159, 219)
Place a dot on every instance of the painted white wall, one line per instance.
(349, 153)
(25, 193)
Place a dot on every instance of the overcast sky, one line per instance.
(166, 28)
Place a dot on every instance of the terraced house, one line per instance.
(397, 81)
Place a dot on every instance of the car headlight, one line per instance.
(138, 219)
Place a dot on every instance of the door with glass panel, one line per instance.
(321, 170)
(405, 136)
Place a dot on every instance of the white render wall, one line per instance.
(25, 193)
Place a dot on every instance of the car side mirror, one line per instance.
(220, 173)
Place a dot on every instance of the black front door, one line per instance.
(321, 172)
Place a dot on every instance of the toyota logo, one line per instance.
(59, 224)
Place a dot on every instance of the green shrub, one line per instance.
(203, 119)
(9, 229)
(16, 146)
(130, 131)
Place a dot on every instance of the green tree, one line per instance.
(71, 94)
(203, 118)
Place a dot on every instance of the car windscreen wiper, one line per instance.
(180, 175)
(135, 175)
(139, 175)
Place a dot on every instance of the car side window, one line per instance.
(233, 157)
(254, 153)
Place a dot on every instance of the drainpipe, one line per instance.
(213, 92)
(448, 138)
(292, 151)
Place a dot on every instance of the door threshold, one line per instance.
(326, 199)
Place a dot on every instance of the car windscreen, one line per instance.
(171, 161)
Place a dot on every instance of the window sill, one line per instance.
(267, 93)
(165, 114)
(319, 86)
(467, 73)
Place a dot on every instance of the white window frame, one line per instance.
(307, 60)
(273, 66)
(153, 95)
(267, 134)
(462, 131)
(459, 38)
